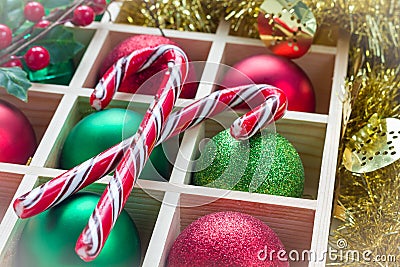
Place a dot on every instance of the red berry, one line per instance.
(83, 16)
(99, 6)
(15, 62)
(42, 24)
(5, 36)
(37, 58)
(34, 11)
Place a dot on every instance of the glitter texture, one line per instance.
(226, 239)
(267, 164)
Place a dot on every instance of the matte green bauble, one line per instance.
(100, 131)
(49, 239)
(267, 164)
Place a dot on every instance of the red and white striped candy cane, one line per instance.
(269, 104)
(137, 61)
(56, 190)
(112, 201)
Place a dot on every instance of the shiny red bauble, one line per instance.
(228, 239)
(132, 84)
(17, 138)
(279, 72)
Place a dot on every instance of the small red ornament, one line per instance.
(17, 138)
(276, 71)
(227, 239)
(132, 84)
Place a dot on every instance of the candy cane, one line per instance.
(114, 197)
(56, 190)
(137, 61)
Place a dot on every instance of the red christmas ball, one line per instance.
(132, 83)
(17, 138)
(279, 72)
(227, 239)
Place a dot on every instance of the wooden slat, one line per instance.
(331, 147)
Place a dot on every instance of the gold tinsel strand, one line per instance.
(371, 201)
(374, 23)
(373, 90)
(183, 15)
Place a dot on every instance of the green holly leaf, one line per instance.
(15, 81)
(60, 43)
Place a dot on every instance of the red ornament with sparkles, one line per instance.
(276, 71)
(132, 84)
(227, 239)
(17, 138)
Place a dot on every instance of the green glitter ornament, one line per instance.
(49, 239)
(267, 163)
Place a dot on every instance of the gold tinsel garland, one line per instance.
(373, 221)
(370, 202)
(184, 15)
(374, 23)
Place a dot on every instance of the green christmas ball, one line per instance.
(49, 238)
(266, 163)
(100, 131)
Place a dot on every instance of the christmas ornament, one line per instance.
(18, 140)
(133, 82)
(49, 238)
(267, 164)
(287, 28)
(276, 71)
(100, 131)
(375, 146)
(227, 239)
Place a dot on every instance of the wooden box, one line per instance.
(162, 209)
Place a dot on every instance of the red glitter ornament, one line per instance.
(17, 138)
(132, 84)
(276, 71)
(227, 239)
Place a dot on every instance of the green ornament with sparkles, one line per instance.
(100, 131)
(266, 163)
(49, 239)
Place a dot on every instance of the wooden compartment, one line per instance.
(162, 209)
(142, 206)
(307, 136)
